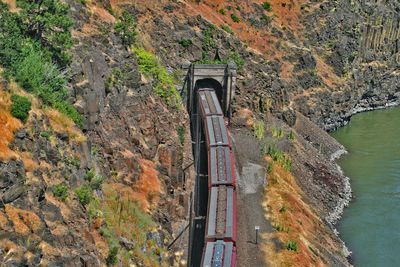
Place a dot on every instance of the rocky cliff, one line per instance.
(303, 67)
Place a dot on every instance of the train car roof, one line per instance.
(219, 254)
(216, 132)
(221, 166)
(209, 103)
(221, 217)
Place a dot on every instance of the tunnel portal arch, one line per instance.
(221, 77)
(210, 83)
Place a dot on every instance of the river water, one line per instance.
(371, 224)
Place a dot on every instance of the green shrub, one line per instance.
(60, 191)
(126, 28)
(112, 255)
(181, 134)
(281, 228)
(291, 245)
(28, 48)
(45, 134)
(267, 6)
(282, 209)
(222, 11)
(116, 79)
(227, 29)
(96, 182)
(89, 175)
(20, 107)
(259, 129)
(84, 194)
(270, 168)
(73, 161)
(291, 135)
(277, 132)
(163, 82)
(235, 18)
(279, 157)
(208, 38)
(185, 43)
(49, 23)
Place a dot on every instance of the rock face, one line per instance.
(308, 64)
(129, 143)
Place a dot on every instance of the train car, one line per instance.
(221, 170)
(208, 103)
(219, 254)
(221, 214)
(215, 131)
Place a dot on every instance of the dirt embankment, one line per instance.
(289, 186)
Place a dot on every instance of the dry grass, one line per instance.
(12, 4)
(60, 123)
(146, 190)
(298, 221)
(24, 222)
(148, 187)
(9, 125)
(327, 74)
(29, 164)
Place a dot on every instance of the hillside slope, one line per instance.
(303, 67)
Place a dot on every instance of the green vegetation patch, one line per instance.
(186, 43)
(84, 194)
(277, 133)
(291, 245)
(126, 28)
(34, 45)
(267, 6)
(209, 46)
(20, 107)
(60, 191)
(181, 134)
(279, 157)
(235, 18)
(227, 29)
(125, 219)
(222, 11)
(164, 86)
(259, 130)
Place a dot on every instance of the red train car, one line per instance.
(221, 170)
(215, 131)
(208, 103)
(221, 215)
(219, 254)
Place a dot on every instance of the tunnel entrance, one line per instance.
(211, 83)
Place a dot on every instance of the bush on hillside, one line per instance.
(28, 57)
(163, 82)
(60, 191)
(48, 22)
(84, 194)
(20, 107)
(126, 28)
(267, 6)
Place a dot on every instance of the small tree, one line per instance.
(47, 21)
(126, 28)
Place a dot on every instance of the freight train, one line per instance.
(220, 231)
